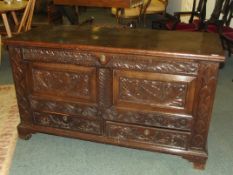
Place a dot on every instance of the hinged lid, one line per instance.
(145, 42)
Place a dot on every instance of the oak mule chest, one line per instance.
(144, 89)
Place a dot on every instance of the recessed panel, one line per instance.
(64, 82)
(150, 91)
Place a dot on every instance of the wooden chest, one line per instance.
(145, 89)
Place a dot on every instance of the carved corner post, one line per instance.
(207, 85)
(19, 74)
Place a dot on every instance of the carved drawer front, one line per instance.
(63, 82)
(64, 108)
(67, 122)
(153, 91)
(123, 132)
(156, 119)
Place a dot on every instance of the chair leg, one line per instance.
(16, 21)
(0, 49)
(6, 24)
(228, 48)
(25, 16)
(29, 21)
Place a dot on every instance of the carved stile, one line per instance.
(19, 74)
(208, 81)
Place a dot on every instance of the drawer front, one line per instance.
(154, 91)
(62, 82)
(124, 132)
(64, 108)
(149, 118)
(67, 122)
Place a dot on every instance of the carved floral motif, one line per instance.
(149, 64)
(65, 83)
(152, 92)
(80, 57)
(208, 80)
(60, 56)
(64, 108)
(19, 73)
(156, 119)
(68, 122)
(162, 137)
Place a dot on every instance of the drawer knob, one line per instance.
(146, 132)
(102, 59)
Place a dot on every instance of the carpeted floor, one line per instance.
(51, 155)
(9, 119)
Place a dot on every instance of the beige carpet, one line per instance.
(9, 118)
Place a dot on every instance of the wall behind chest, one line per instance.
(186, 5)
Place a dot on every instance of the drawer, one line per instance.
(154, 91)
(149, 118)
(63, 108)
(62, 82)
(147, 135)
(67, 122)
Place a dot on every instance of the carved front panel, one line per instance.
(147, 91)
(147, 135)
(67, 122)
(63, 81)
(153, 91)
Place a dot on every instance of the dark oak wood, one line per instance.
(143, 89)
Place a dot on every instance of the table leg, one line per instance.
(6, 24)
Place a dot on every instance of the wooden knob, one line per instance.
(103, 59)
(146, 132)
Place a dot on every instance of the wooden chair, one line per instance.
(128, 13)
(26, 20)
(226, 31)
(196, 20)
(218, 17)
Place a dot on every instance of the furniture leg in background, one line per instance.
(26, 20)
(0, 49)
(11, 8)
(6, 24)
